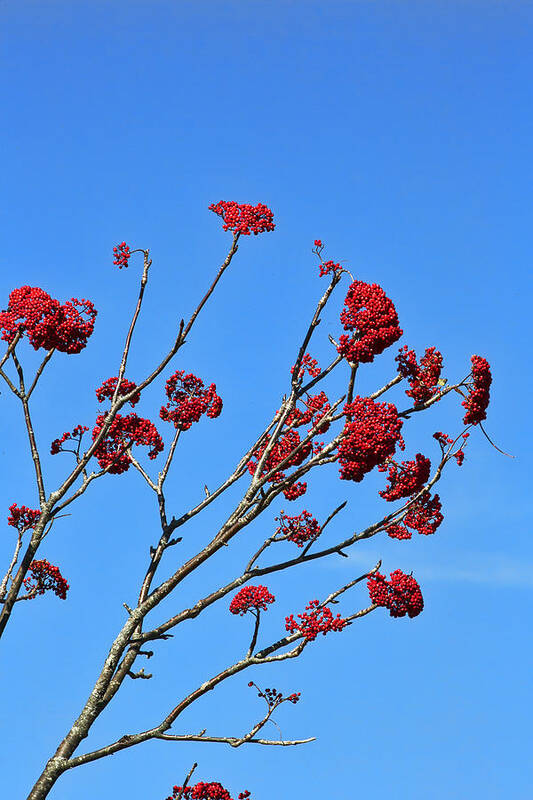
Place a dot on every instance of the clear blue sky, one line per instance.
(399, 133)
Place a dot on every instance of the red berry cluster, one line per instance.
(47, 323)
(280, 451)
(459, 457)
(371, 315)
(107, 390)
(300, 529)
(275, 698)
(443, 439)
(124, 431)
(424, 377)
(45, 576)
(122, 254)
(478, 398)
(329, 266)
(405, 479)
(188, 399)
(294, 698)
(309, 365)
(325, 266)
(76, 433)
(369, 439)
(423, 516)
(295, 490)
(205, 791)
(22, 518)
(401, 595)
(315, 620)
(316, 406)
(244, 218)
(251, 598)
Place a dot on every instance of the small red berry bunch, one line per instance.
(124, 432)
(22, 518)
(477, 402)
(273, 698)
(423, 516)
(281, 450)
(45, 577)
(444, 440)
(46, 322)
(188, 399)
(243, 218)
(423, 378)
(401, 595)
(315, 619)
(205, 791)
(251, 598)
(372, 318)
(405, 479)
(316, 406)
(369, 438)
(325, 266)
(122, 254)
(107, 390)
(307, 364)
(295, 490)
(57, 445)
(300, 529)
(329, 266)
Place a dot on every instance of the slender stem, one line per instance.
(127, 344)
(39, 372)
(31, 434)
(255, 634)
(7, 576)
(11, 347)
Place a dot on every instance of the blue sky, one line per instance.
(397, 132)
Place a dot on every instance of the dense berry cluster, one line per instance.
(43, 577)
(205, 791)
(188, 399)
(401, 595)
(478, 398)
(122, 254)
(423, 378)
(372, 317)
(315, 620)
(295, 490)
(316, 406)
(22, 518)
(329, 266)
(405, 479)
(251, 598)
(369, 438)
(124, 431)
(307, 364)
(76, 433)
(244, 218)
(281, 450)
(423, 516)
(299, 529)
(46, 322)
(107, 390)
